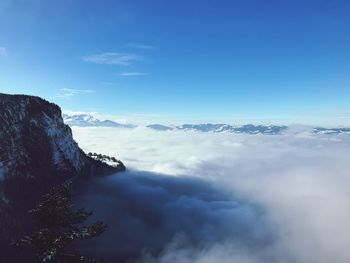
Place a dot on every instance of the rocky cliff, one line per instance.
(37, 151)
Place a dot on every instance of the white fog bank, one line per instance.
(301, 181)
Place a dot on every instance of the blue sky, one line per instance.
(287, 61)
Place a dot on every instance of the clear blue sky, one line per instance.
(263, 59)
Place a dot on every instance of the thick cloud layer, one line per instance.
(145, 212)
(254, 198)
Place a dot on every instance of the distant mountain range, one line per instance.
(320, 130)
(86, 120)
(209, 127)
(160, 127)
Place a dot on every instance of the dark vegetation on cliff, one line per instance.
(56, 225)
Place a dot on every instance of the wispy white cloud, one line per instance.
(69, 93)
(111, 58)
(3, 51)
(132, 74)
(140, 46)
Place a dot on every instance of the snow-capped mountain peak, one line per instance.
(86, 120)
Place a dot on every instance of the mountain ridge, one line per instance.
(86, 120)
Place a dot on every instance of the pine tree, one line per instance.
(57, 224)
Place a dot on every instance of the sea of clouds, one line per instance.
(216, 197)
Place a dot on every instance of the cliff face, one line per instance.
(35, 145)
(37, 151)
